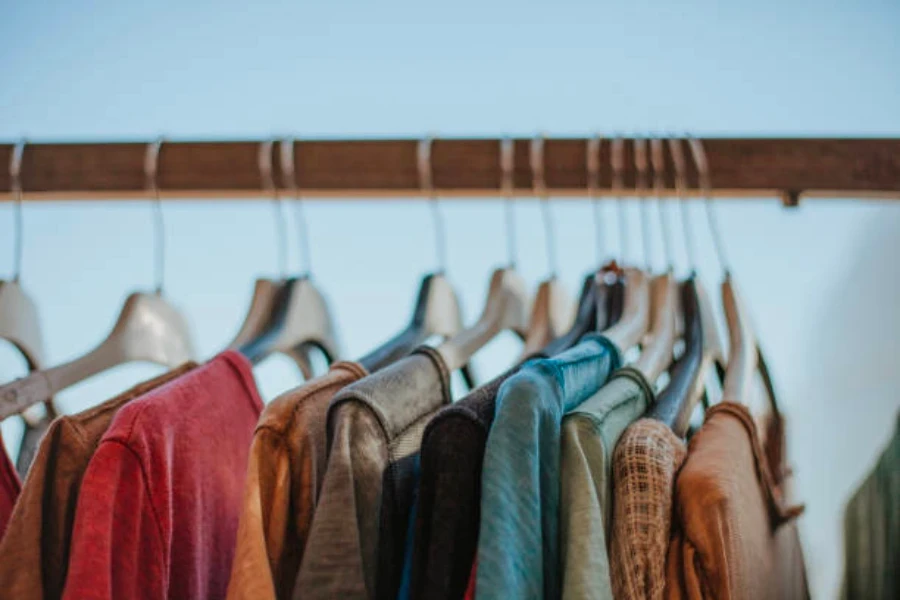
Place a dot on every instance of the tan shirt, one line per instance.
(734, 536)
(646, 462)
(34, 552)
(284, 479)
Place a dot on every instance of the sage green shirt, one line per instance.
(589, 437)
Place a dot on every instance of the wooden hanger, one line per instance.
(552, 312)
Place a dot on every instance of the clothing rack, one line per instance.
(787, 168)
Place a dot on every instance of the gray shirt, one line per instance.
(374, 426)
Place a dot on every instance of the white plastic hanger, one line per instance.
(507, 305)
(148, 329)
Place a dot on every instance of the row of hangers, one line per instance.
(290, 316)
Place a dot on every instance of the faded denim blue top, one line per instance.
(518, 541)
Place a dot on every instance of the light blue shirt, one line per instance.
(518, 541)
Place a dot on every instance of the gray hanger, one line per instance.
(437, 309)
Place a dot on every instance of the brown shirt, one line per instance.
(374, 426)
(733, 536)
(284, 479)
(645, 464)
(34, 553)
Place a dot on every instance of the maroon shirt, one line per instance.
(158, 510)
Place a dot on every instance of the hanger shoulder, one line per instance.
(307, 320)
(742, 349)
(440, 309)
(506, 308)
(634, 322)
(148, 329)
(19, 323)
(657, 350)
(436, 313)
(712, 341)
(551, 315)
(677, 401)
(262, 304)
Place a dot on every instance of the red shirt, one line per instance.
(158, 509)
(470, 589)
(10, 486)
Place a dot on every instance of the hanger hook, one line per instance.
(266, 164)
(617, 162)
(286, 154)
(508, 186)
(640, 184)
(699, 155)
(15, 178)
(678, 160)
(539, 185)
(592, 167)
(426, 184)
(658, 164)
(151, 175)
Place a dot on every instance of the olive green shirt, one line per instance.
(589, 437)
(872, 530)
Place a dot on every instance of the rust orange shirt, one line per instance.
(284, 478)
(733, 537)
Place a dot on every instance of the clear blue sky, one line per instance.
(104, 69)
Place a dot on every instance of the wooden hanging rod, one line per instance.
(787, 168)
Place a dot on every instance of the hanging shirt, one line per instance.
(287, 464)
(589, 436)
(732, 535)
(518, 545)
(158, 508)
(646, 461)
(872, 530)
(449, 496)
(375, 426)
(10, 486)
(34, 553)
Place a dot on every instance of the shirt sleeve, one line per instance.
(262, 559)
(117, 541)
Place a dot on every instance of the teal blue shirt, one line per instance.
(518, 541)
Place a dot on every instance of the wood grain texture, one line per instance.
(786, 168)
